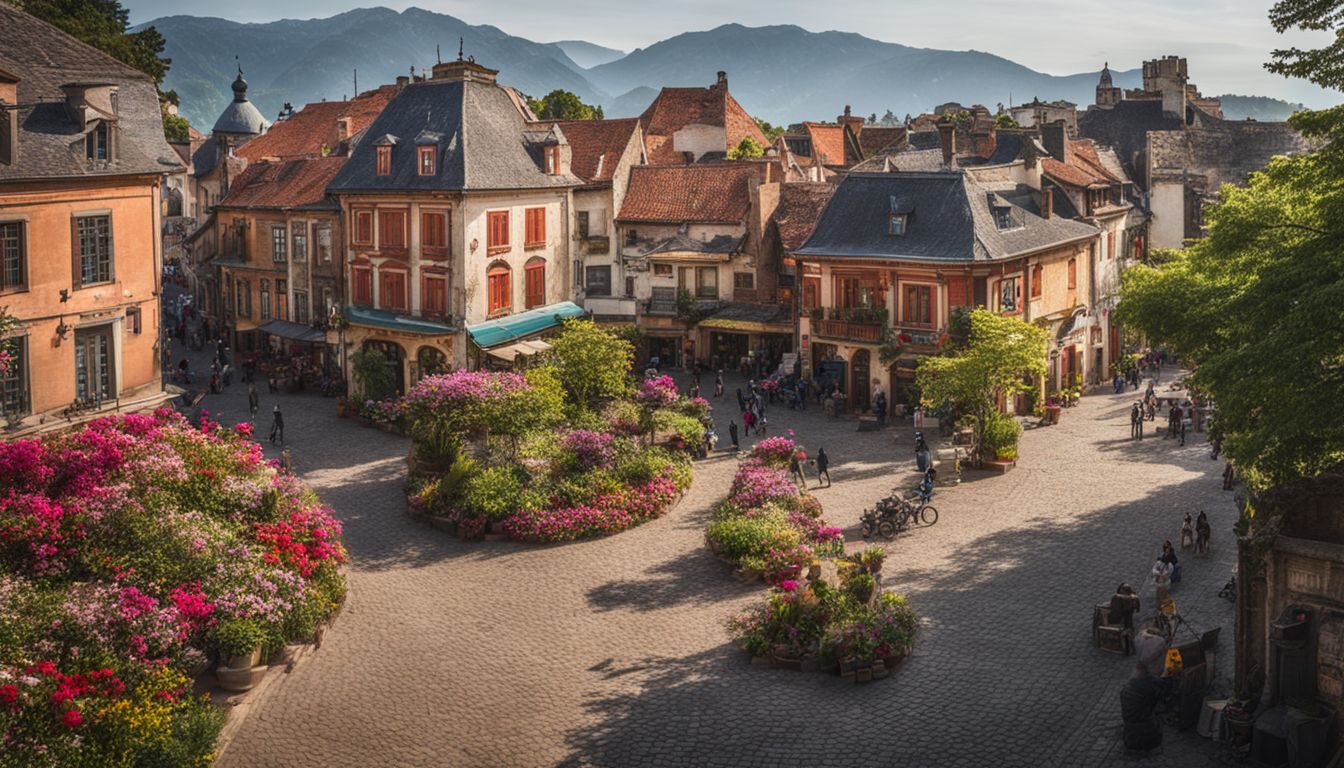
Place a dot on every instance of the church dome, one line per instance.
(241, 116)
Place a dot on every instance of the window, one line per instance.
(434, 231)
(361, 286)
(384, 161)
(431, 361)
(896, 224)
(662, 270)
(426, 164)
(1008, 294)
(598, 280)
(324, 243)
(363, 234)
(13, 257)
(583, 224)
(133, 320)
(434, 295)
(93, 244)
(95, 372)
(98, 143)
(536, 227)
(265, 299)
(328, 301)
(1036, 281)
(281, 300)
(497, 231)
(553, 160)
(1073, 273)
(707, 282)
(629, 286)
(300, 236)
(301, 307)
(917, 305)
(856, 292)
(243, 298)
(811, 292)
(534, 281)
(744, 280)
(1110, 245)
(278, 239)
(631, 237)
(392, 290)
(391, 229)
(578, 274)
(14, 397)
(1003, 218)
(500, 281)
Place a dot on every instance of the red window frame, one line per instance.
(384, 163)
(534, 282)
(499, 278)
(811, 292)
(497, 231)
(391, 228)
(552, 161)
(425, 165)
(362, 232)
(434, 294)
(434, 232)
(1036, 281)
(535, 219)
(361, 285)
(1073, 272)
(392, 289)
(920, 310)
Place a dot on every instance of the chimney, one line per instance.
(855, 123)
(947, 138)
(1054, 137)
(403, 81)
(463, 69)
(723, 80)
(343, 128)
(1047, 202)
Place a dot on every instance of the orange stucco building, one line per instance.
(82, 156)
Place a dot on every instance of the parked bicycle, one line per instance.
(897, 512)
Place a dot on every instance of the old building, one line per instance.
(82, 158)
(215, 160)
(457, 210)
(685, 125)
(1037, 112)
(843, 144)
(895, 253)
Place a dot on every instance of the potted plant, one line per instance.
(240, 642)
(872, 558)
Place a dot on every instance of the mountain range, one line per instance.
(781, 74)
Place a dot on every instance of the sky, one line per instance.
(1226, 41)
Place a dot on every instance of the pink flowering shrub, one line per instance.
(775, 451)
(757, 483)
(657, 391)
(590, 449)
(607, 514)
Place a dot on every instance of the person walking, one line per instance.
(732, 435)
(277, 426)
(718, 384)
(1169, 557)
(802, 394)
(1135, 423)
(748, 420)
(823, 467)
(1202, 533)
(741, 401)
(880, 409)
(1174, 420)
(253, 401)
(1181, 428)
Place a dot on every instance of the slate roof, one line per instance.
(484, 146)
(874, 139)
(951, 219)
(241, 115)
(51, 145)
(709, 193)
(924, 140)
(799, 210)
(679, 243)
(306, 132)
(676, 108)
(597, 146)
(298, 183)
(909, 160)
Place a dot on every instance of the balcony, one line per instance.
(848, 330)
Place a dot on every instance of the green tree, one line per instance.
(563, 105)
(889, 119)
(771, 132)
(373, 376)
(1002, 355)
(176, 128)
(746, 149)
(1004, 120)
(591, 363)
(103, 24)
(1255, 307)
(872, 119)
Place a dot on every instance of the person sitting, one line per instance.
(1124, 604)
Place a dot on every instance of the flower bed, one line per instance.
(766, 526)
(132, 552)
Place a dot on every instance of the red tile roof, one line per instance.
(799, 210)
(306, 132)
(1084, 168)
(597, 145)
(709, 193)
(828, 142)
(676, 108)
(874, 139)
(286, 184)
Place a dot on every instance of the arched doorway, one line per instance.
(394, 357)
(429, 361)
(859, 391)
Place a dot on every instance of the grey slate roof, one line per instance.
(924, 140)
(719, 244)
(51, 145)
(241, 115)
(482, 143)
(908, 160)
(950, 219)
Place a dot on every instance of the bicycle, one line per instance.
(896, 513)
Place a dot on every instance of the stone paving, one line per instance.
(613, 652)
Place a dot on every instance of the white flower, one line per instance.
(28, 680)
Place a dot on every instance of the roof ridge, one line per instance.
(127, 67)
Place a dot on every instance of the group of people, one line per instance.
(1195, 535)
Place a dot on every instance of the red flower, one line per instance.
(9, 695)
(72, 718)
(45, 668)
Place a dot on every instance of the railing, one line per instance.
(851, 331)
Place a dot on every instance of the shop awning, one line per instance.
(750, 318)
(510, 352)
(377, 318)
(494, 333)
(293, 331)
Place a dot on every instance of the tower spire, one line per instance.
(459, 49)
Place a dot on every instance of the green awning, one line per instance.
(492, 333)
(378, 318)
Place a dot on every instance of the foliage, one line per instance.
(374, 377)
(446, 409)
(1005, 120)
(771, 132)
(1322, 66)
(591, 363)
(817, 620)
(103, 24)
(176, 129)
(657, 391)
(563, 105)
(746, 149)
(7, 323)
(1001, 354)
(494, 493)
(1001, 435)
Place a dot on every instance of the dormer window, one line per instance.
(896, 224)
(98, 143)
(426, 161)
(552, 160)
(1003, 218)
(384, 160)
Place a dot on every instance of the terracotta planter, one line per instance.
(238, 679)
(245, 660)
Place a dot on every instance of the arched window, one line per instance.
(534, 274)
(265, 299)
(500, 279)
(429, 362)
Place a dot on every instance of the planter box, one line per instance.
(1001, 467)
(445, 524)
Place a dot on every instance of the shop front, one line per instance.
(510, 342)
(412, 347)
(754, 339)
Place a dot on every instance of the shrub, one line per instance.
(238, 637)
(1001, 435)
(742, 537)
(775, 451)
(657, 392)
(493, 493)
(679, 427)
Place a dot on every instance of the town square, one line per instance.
(381, 388)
